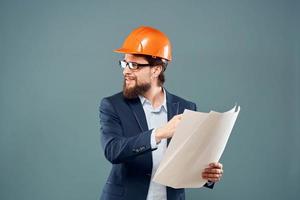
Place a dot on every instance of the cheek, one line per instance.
(144, 77)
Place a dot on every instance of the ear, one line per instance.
(156, 70)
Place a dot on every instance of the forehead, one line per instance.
(135, 58)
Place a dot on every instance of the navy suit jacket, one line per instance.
(125, 140)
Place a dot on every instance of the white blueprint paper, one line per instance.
(199, 139)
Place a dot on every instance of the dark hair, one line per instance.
(154, 61)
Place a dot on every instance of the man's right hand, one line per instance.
(167, 130)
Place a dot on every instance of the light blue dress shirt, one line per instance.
(156, 118)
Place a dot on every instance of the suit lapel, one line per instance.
(138, 112)
(172, 107)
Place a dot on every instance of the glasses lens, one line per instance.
(132, 65)
(122, 64)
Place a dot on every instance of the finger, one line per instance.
(212, 175)
(211, 179)
(216, 165)
(213, 170)
(179, 116)
(207, 175)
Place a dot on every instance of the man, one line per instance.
(138, 123)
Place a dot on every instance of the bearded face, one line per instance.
(136, 81)
(132, 87)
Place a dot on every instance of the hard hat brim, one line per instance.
(128, 51)
(124, 50)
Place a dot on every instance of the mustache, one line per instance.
(130, 77)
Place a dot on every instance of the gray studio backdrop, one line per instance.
(57, 63)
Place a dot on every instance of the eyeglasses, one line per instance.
(132, 65)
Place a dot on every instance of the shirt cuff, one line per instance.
(153, 141)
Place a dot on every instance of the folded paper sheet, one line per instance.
(199, 139)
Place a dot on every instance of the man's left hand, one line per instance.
(213, 172)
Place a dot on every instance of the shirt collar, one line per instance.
(164, 104)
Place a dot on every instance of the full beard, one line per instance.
(135, 91)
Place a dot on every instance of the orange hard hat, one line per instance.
(146, 40)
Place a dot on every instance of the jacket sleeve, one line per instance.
(118, 148)
(209, 184)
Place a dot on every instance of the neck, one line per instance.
(155, 95)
